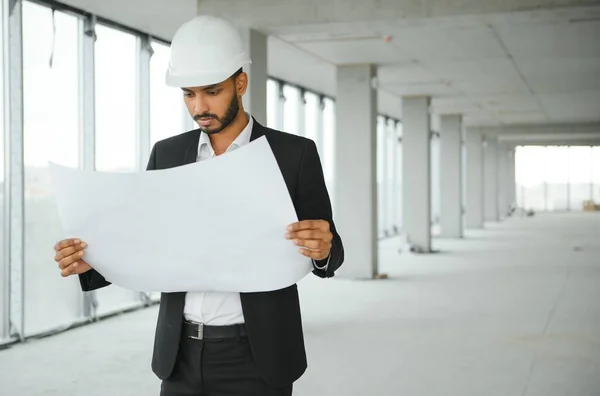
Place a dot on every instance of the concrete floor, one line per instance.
(511, 310)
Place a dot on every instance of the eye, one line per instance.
(212, 92)
(188, 94)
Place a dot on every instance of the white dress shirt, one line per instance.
(219, 308)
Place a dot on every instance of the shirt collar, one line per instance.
(242, 139)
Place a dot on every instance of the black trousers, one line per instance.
(217, 368)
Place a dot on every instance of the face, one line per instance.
(215, 107)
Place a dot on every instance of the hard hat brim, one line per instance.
(201, 79)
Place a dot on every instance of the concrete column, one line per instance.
(502, 181)
(475, 168)
(416, 171)
(491, 180)
(451, 176)
(255, 100)
(356, 167)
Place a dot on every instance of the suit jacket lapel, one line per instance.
(257, 130)
(191, 153)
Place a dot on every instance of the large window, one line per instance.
(116, 136)
(557, 178)
(50, 61)
(168, 114)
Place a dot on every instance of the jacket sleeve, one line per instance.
(92, 280)
(313, 203)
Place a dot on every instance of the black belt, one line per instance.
(199, 331)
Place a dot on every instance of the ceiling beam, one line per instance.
(516, 143)
(541, 129)
(583, 137)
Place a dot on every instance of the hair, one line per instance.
(237, 74)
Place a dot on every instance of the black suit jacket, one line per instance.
(272, 318)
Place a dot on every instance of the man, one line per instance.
(215, 343)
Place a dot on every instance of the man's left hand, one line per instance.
(313, 237)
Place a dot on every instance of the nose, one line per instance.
(200, 105)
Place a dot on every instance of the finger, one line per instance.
(78, 267)
(305, 225)
(67, 261)
(65, 243)
(68, 271)
(311, 234)
(315, 254)
(313, 244)
(69, 251)
(306, 234)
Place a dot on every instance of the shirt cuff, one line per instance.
(323, 268)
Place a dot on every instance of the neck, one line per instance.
(222, 140)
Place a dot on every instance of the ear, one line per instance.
(241, 84)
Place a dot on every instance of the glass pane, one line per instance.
(290, 110)
(518, 175)
(168, 113)
(272, 103)
(115, 76)
(530, 174)
(51, 133)
(391, 149)
(596, 174)
(381, 176)
(580, 176)
(2, 318)
(328, 155)
(115, 127)
(399, 210)
(311, 119)
(557, 177)
(435, 180)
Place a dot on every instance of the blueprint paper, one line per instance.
(215, 225)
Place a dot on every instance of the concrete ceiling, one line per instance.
(495, 73)
(498, 62)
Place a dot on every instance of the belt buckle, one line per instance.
(200, 332)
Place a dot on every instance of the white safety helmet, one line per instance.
(205, 51)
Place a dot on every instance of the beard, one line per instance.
(225, 121)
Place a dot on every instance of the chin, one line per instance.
(211, 131)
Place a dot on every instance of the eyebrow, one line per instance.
(210, 87)
(216, 86)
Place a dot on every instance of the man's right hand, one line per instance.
(69, 256)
